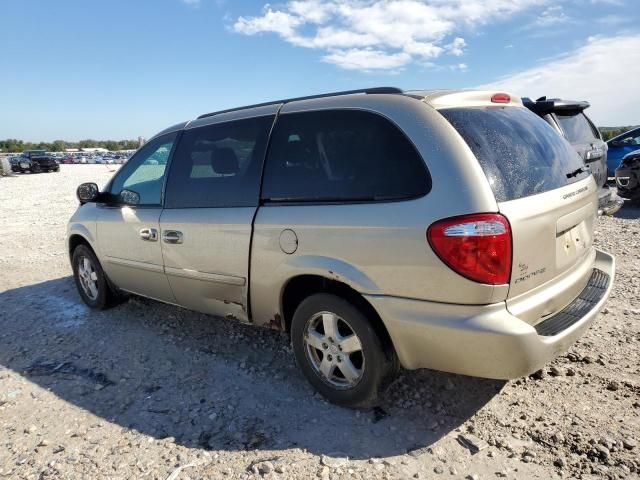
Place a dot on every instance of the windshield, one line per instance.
(34, 153)
(520, 153)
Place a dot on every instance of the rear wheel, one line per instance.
(339, 351)
(90, 279)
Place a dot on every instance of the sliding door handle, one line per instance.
(172, 236)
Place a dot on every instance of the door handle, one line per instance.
(172, 236)
(149, 234)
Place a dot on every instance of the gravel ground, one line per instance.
(147, 390)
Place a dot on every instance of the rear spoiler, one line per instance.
(544, 105)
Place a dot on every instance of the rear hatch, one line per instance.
(548, 196)
(585, 139)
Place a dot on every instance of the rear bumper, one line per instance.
(485, 340)
(608, 201)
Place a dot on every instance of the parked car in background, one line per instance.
(447, 230)
(567, 117)
(628, 176)
(36, 161)
(620, 146)
(15, 164)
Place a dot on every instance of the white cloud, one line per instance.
(457, 46)
(380, 34)
(604, 71)
(551, 17)
(365, 59)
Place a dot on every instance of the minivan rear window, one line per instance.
(520, 153)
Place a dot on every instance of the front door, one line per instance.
(211, 200)
(128, 226)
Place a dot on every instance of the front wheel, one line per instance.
(339, 351)
(90, 279)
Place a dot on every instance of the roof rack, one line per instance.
(375, 90)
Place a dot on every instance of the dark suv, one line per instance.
(36, 161)
(569, 119)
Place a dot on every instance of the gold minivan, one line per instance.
(450, 230)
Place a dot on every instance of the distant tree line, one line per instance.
(12, 145)
(610, 132)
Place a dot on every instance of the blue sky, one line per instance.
(75, 69)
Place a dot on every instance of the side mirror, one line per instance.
(615, 144)
(129, 197)
(87, 192)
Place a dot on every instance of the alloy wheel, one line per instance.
(334, 350)
(88, 277)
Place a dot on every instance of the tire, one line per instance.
(104, 296)
(368, 368)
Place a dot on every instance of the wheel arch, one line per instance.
(299, 287)
(75, 239)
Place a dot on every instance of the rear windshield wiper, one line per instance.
(577, 172)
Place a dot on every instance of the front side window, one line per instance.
(144, 173)
(219, 165)
(342, 155)
(576, 128)
(632, 139)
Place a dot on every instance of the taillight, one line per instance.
(501, 98)
(476, 246)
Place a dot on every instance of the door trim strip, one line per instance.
(151, 267)
(207, 277)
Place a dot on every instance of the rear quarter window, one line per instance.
(520, 154)
(342, 156)
(576, 127)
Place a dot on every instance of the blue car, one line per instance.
(619, 146)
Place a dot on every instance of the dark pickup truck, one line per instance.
(567, 117)
(35, 161)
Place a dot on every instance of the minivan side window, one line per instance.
(219, 165)
(341, 155)
(144, 172)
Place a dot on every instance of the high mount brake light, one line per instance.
(500, 98)
(476, 246)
